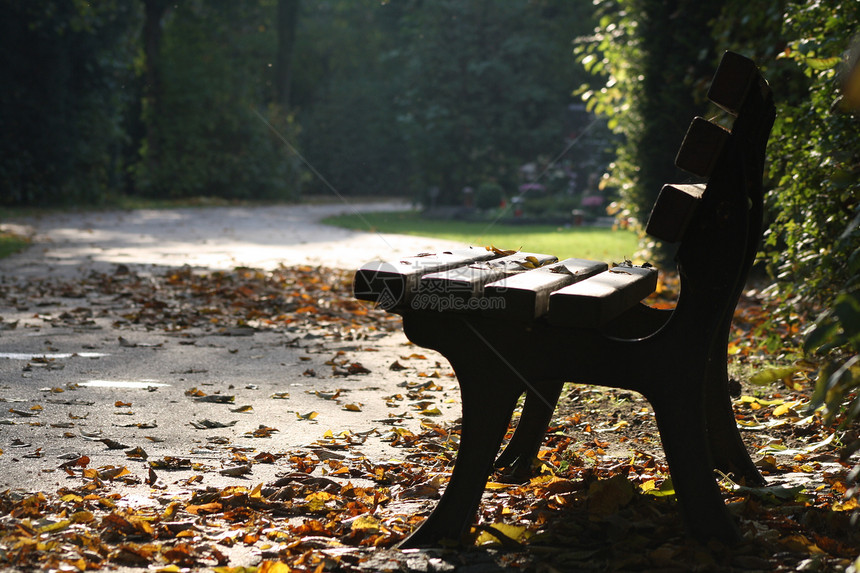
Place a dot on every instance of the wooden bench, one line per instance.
(514, 323)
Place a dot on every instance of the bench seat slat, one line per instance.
(468, 281)
(393, 283)
(526, 295)
(595, 301)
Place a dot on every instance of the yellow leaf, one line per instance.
(848, 505)
(273, 567)
(541, 480)
(431, 412)
(170, 510)
(366, 523)
(514, 532)
(82, 516)
(352, 407)
(781, 410)
(800, 544)
(497, 485)
(308, 416)
(57, 526)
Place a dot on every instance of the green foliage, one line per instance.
(648, 59)
(63, 68)
(161, 99)
(346, 90)
(812, 246)
(815, 162)
(485, 86)
(205, 137)
(489, 195)
(553, 206)
(837, 334)
(11, 243)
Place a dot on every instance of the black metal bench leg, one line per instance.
(681, 419)
(727, 447)
(487, 409)
(528, 436)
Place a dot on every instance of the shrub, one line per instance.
(489, 195)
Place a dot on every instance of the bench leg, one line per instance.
(729, 450)
(487, 410)
(638, 322)
(727, 446)
(681, 420)
(528, 436)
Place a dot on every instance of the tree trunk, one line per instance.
(287, 18)
(154, 11)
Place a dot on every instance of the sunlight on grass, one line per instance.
(582, 242)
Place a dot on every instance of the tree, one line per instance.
(212, 65)
(486, 86)
(63, 68)
(153, 90)
(286, 22)
(345, 92)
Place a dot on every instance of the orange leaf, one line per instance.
(203, 509)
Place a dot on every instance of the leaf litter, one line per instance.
(600, 497)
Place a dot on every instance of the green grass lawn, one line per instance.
(10, 244)
(582, 242)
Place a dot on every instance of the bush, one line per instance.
(815, 154)
(489, 195)
(836, 335)
(550, 206)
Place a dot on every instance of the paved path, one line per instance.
(69, 353)
(207, 237)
